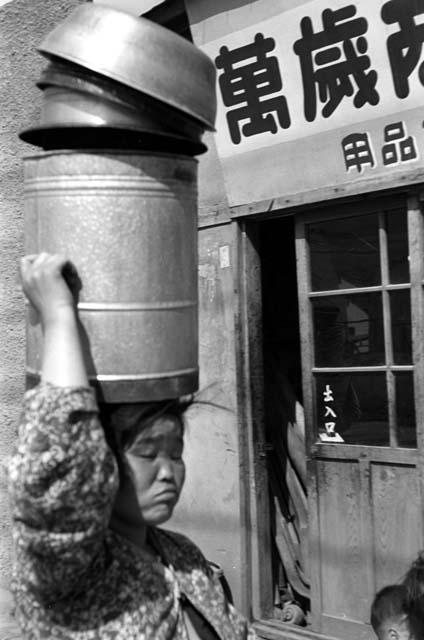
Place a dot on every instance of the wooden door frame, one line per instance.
(254, 503)
(257, 588)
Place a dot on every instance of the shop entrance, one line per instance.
(337, 416)
(284, 419)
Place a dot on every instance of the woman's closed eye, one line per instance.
(148, 452)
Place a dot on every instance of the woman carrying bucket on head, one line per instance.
(87, 499)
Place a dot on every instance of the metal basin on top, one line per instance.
(139, 54)
(94, 98)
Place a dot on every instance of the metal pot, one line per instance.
(62, 105)
(139, 54)
(150, 113)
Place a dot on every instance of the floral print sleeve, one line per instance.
(62, 482)
(238, 619)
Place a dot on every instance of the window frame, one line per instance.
(381, 206)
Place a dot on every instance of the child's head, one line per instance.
(414, 585)
(389, 614)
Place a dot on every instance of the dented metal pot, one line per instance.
(113, 102)
(139, 54)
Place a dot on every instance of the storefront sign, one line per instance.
(314, 94)
(329, 433)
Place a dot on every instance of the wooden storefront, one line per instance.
(361, 359)
(315, 214)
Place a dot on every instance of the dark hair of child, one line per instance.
(389, 604)
(414, 585)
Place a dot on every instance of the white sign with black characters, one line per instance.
(317, 95)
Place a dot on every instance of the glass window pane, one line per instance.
(344, 253)
(405, 410)
(397, 246)
(348, 330)
(356, 404)
(400, 306)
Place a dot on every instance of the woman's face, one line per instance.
(157, 469)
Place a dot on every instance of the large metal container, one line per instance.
(138, 54)
(128, 221)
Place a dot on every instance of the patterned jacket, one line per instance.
(73, 576)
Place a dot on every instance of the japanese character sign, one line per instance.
(357, 151)
(315, 94)
(398, 147)
(329, 433)
(333, 66)
(404, 47)
(249, 74)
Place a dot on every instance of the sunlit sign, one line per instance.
(317, 95)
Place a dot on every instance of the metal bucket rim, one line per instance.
(64, 42)
(34, 136)
(102, 152)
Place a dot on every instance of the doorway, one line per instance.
(284, 423)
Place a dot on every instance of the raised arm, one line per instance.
(62, 476)
(46, 290)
